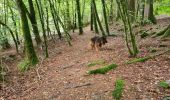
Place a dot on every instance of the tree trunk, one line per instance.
(30, 54)
(97, 18)
(79, 17)
(132, 10)
(105, 16)
(34, 22)
(149, 11)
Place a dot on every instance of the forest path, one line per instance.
(66, 71)
(63, 75)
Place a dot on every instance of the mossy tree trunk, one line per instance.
(79, 17)
(105, 16)
(142, 11)
(91, 17)
(56, 22)
(97, 18)
(132, 46)
(68, 18)
(132, 10)
(67, 35)
(111, 11)
(30, 54)
(34, 22)
(149, 11)
(41, 14)
(15, 23)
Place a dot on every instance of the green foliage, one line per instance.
(138, 60)
(162, 7)
(164, 85)
(99, 62)
(4, 42)
(103, 70)
(117, 92)
(146, 21)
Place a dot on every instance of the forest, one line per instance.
(85, 50)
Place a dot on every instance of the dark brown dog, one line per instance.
(97, 42)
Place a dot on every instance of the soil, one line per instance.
(63, 76)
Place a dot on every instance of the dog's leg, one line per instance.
(97, 47)
(91, 45)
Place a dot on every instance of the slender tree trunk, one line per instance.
(41, 14)
(151, 16)
(91, 16)
(15, 24)
(132, 10)
(98, 19)
(13, 37)
(111, 11)
(79, 17)
(105, 16)
(56, 22)
(34, 22)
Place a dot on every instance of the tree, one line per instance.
(105, 16)
(129, 36)
(149, 14)
(34, 22)
(132, 10)
(30, 55)
(79, 17)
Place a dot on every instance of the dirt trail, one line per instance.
(63, 75)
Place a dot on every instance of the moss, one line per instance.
(164, 84)
(26, 64)
(138, 60)
(117, 92)
(99, 62)
(103, 70)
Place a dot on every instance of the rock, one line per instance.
(168, 82)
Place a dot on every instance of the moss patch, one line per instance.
(26, 64)
(103, 70)
(117, 92)
(164, 85)
(138, 60)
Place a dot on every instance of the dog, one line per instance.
(97, 42)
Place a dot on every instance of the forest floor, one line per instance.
(63, 76)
